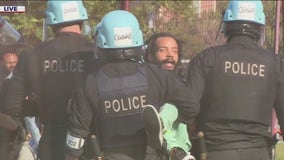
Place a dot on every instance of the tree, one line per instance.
(30, 24)
(177, 17)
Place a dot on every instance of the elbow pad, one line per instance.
(74, 144)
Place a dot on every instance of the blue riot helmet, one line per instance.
(246, 11)
(244, 18)
(119, 29)
(118, 35)
(59, 12)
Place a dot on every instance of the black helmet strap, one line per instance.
(253, 30)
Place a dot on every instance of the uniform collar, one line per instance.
(243, 39)
(67, 33)
(10, 75)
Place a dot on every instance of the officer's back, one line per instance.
(55, 69)
(238, 83)
(62, 65)
(115, 95)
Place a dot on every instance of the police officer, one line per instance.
(238, 84)
(116, 94)
(54, 69)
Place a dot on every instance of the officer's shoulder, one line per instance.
(207, 53)
(41, 45)
(269, 53)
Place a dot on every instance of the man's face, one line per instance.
(166, 53)
(10, 61)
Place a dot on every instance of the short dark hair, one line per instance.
(9, 49)
(151, 46)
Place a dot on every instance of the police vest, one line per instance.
(61, 75)
(122, 100)
(240, 86)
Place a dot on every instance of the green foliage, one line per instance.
(178, 17)
(97, 9)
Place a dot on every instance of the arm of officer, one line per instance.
(178, 94)
(7, 122)
(279, 101)
(181, 97)
(195, 83)
(80, 117)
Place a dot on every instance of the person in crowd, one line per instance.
(54, 69)
(165, 50)
(14, 140)
(9, 60)
(11, 96)
(236, 86)
(113, 97)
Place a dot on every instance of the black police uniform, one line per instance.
(52, 72)
(239, 83)
(113, 99)
(11, 98)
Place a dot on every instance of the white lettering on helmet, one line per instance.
(122, 36)
(70, 11)
(247, 11)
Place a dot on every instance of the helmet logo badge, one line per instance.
(70, 11)
(122, 36)
(247, 11)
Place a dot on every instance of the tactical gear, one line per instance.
(116, 32)
(244, 18)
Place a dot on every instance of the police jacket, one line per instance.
(53, 70)
(115, 95)
(237, 85)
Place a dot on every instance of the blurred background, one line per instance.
(197, 23)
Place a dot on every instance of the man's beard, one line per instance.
(168, 64)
